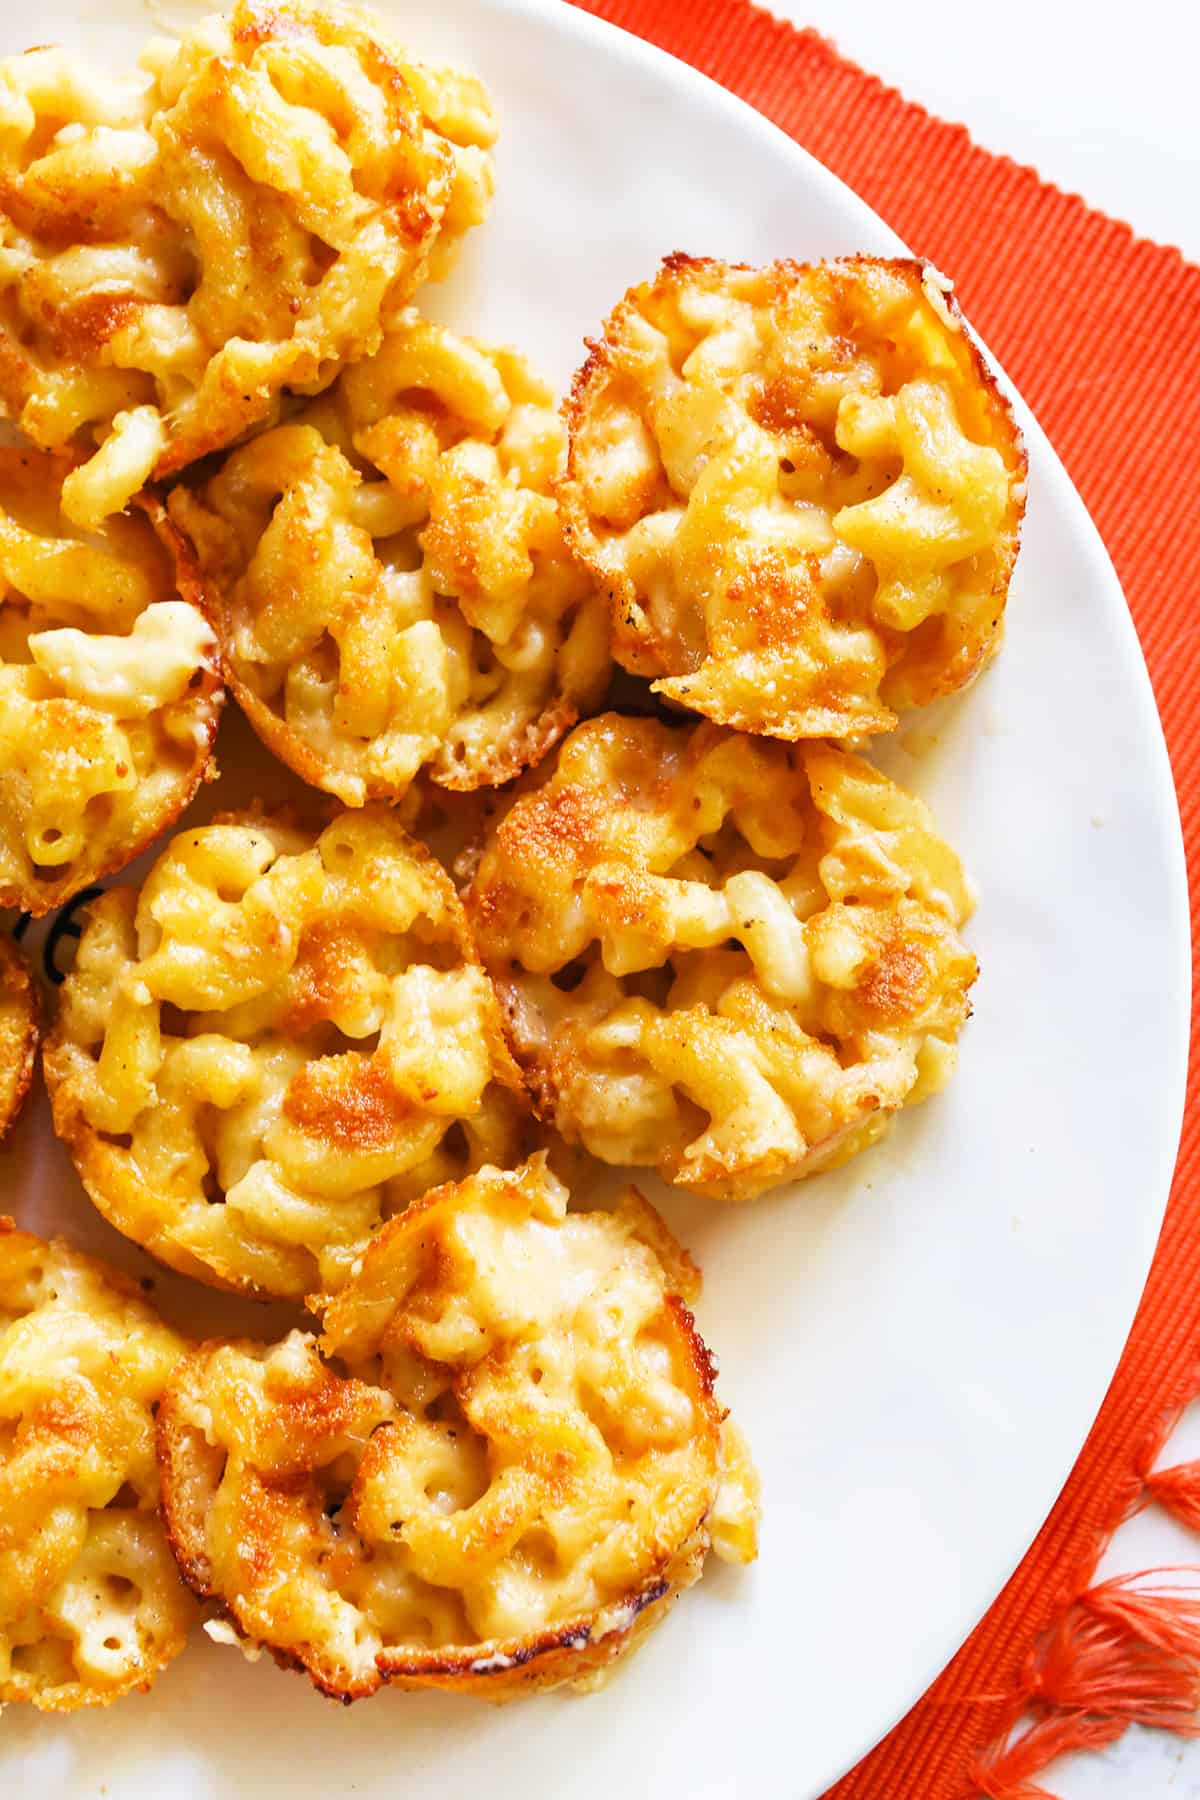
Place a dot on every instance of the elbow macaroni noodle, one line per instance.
(801, 489)
(109, 688)
(281, 1039)
(721, 955)
(240, 217)
(91, 1606)
(523, 1467)
(389, 575)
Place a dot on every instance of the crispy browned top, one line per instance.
(802, 488)
(18, 1031)
(389, 574)
(524, 1455)
(239, 215)
(90, 1604)
(109, 688)
(722, 955)
(284, 1037)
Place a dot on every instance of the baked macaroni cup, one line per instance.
(512, 1468)
(389, 578)
(725, 957)
(282, 1038)
(110, 691)
(801, 488)
(180, 245)
(91, 1605)
(18, 1032)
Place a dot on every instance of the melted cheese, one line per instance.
(132, 676)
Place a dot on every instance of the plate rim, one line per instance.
(1163, 797)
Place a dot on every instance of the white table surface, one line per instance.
(1103, 103)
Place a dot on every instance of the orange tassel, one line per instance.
(1177, 1491)
(1122, 1655)
(1166, 1616)
(1129, 1654)
(1008, 1774)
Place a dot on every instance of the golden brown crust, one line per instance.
(110, 691)
(237, 218)
(801, 487)
(281, 1039)
(91, 1607)
(513, 1482)
(389, 579)
(19, 1018)
(720, 955)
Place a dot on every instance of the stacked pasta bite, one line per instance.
(236, 219)
(206, 1067)
(802, 488)
(698, 932)
(109, 687)
(390, 576)
(721, 956)
(510, 1470)
(91, 1606)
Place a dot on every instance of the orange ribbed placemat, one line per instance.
(1101, 333)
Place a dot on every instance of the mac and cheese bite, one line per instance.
(239, 217)
(801, 488)
(110, 691)
(18, 1032)
(91, 1605)
(282, 1038)
(389, 575)
(723, 956)
(513, 1466)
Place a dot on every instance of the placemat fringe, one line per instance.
(1177, 1491)
(1119, 1654)
(1126, 1652)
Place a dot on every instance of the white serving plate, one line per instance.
(916, 1344)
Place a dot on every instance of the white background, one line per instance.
(1103, 102)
